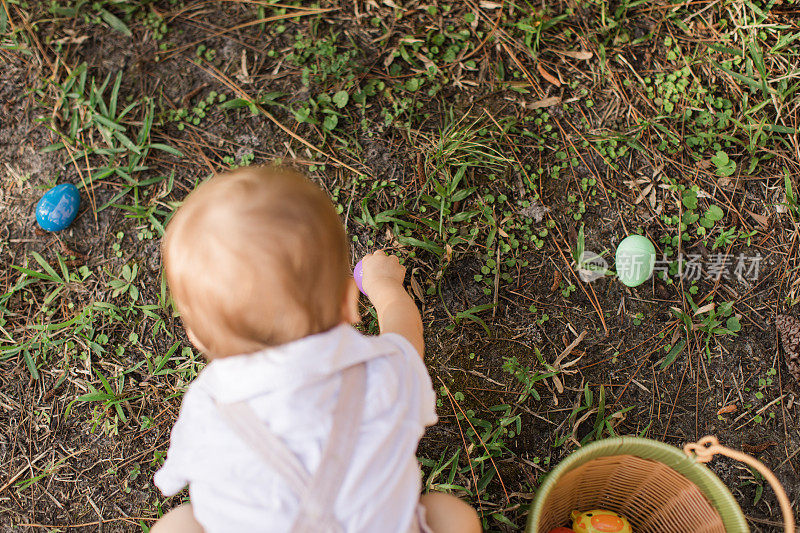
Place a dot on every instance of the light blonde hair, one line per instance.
(255, 258)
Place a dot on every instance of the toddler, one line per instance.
(299, 423)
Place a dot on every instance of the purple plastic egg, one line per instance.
(358, 275)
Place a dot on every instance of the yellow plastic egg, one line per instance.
(599, 521)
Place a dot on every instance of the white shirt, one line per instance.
(293, 389)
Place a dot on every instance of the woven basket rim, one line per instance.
(709, 484)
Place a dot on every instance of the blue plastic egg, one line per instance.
(58, 207)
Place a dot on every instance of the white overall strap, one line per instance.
(316, 511)
(317, 494)
(245, 423)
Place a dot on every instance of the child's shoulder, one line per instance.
(198, 403)
(310, 366)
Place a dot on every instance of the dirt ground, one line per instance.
(530, 361)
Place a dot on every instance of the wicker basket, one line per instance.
(657, 487)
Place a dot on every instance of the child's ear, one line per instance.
(194, 340)
(350, 313)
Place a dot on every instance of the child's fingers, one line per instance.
(377, 253)
(370, 255)
(379, 261)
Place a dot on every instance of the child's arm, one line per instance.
(397, 313)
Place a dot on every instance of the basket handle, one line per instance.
(705, 449)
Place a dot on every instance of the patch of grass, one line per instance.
(91, 124)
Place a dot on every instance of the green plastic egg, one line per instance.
(636, 257)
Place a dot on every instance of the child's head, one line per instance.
(257, 258)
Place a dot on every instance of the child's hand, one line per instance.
(383, 281)
(383, 275)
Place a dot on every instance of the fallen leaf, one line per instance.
(582, 55)
(706, 308)
(69, 251)
(568, 350)
(657, 170)
(580, 355)
(244, 75)
(546, 75)
(643, 194)
(389, 60)
(789, 329)
(572, 233)
(761, 219)
(71, 40)
(415, 286)
(535, 211)
(392, 239)
(726, 183)
(781, 207)
(634, 184)
(758, 448)
(557, 383)
(556, 280)
(544, 102)
(421, 169)
(426, 61)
